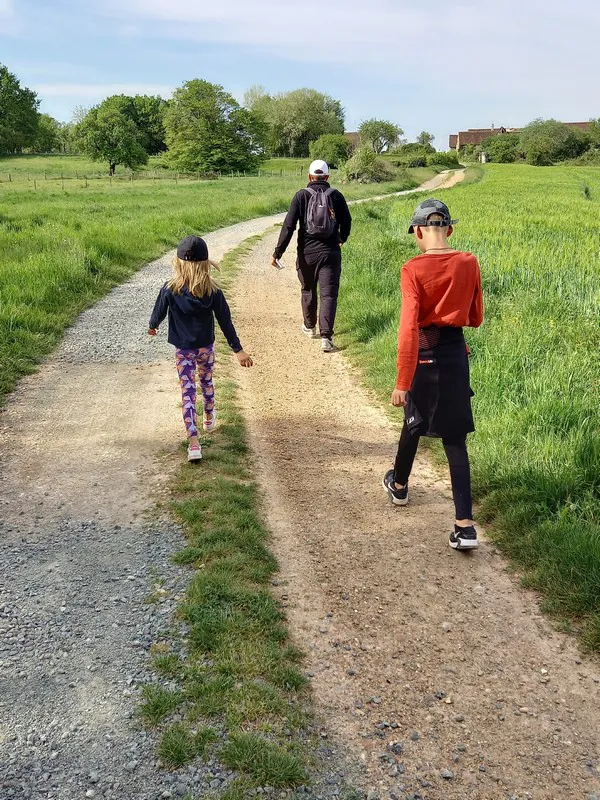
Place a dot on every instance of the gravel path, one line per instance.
(86, 447)
(436, 671)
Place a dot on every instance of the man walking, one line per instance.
(325, 224)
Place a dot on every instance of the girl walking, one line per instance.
(192, 300)
(441, 294)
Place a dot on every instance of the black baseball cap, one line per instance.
(192, 248)
(425, 209)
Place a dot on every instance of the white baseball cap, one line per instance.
(318, 167)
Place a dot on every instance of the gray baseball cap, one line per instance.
(425, 209)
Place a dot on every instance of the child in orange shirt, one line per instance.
(441, 294)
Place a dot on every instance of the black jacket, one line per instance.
(191, 319)
(309, 244)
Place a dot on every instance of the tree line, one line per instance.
(543, 142)
(201, 128)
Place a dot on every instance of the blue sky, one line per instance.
(438, 67)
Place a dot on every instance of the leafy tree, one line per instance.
(543, 142)
(107, 134)
(207, 130)
(334, 148)
(594, 132)
(293, 120)
(48, 137)
(147, 114)
(502, 148)
(425, 139)
(380, 134)
(18, 114)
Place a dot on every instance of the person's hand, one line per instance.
(244, 359)
(152, 331)
(399, 397)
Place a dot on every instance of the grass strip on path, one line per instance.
(239, 690)
(535, 367)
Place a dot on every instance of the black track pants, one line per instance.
(322, 270)
(458, 461)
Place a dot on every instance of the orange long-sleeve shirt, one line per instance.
(442, 289)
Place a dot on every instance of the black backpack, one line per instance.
(320, 216)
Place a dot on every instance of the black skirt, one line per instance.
(439, 401)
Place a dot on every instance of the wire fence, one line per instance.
(33, 179)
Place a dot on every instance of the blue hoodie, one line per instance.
(191, 319)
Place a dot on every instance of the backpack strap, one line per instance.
(310, 190)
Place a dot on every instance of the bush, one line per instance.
(448, 159)
(366, 167)
(334, 148)
(544, 142)
(502, 148)
(412, 155)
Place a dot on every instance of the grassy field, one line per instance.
(61, 250)
(535, 364)
(22, 168)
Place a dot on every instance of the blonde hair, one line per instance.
(193, 275)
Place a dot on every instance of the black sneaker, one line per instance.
(463, 538)
(399, 497)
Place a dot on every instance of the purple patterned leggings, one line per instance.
(188, 362)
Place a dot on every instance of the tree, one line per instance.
(425, 139)
(594, 132)
(107, 134)
(18, 114)
(502, 148)
(207, 130)
(543, 142)
(334, 148)
(147, 114)
(380, 134)
(293, 120)
(48, 137)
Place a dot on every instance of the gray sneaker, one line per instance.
(327, 344)
(310, 332)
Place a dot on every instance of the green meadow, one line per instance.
(535, 365)
(60, 250)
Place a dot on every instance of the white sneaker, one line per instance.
(310, 332)
(211, 424)
(327, 345)
(194, 453)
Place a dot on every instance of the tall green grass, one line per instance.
(62, 250)
(535, 363)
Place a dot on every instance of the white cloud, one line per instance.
(9, 24)
(509, 47)
(88, 91)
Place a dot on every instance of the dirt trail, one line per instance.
(79, 553)
(407, 641)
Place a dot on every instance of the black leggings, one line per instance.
(458, 460)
